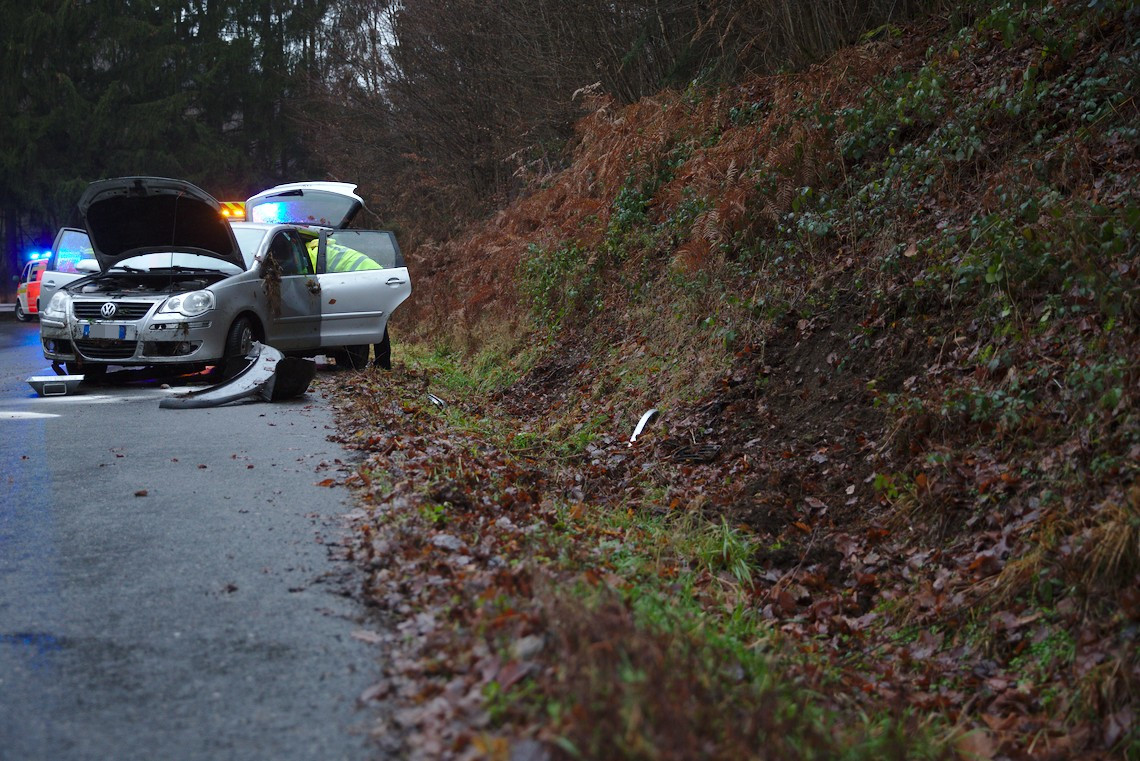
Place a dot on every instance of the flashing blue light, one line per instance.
(34, 256)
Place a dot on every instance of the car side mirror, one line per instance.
(88, 266)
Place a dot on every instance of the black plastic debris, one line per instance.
(270, 376)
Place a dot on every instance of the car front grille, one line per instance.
(124, 310)
(106, 349)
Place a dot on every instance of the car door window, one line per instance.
(357, 251)
(34, 271)
(288, 253)
(74, 247)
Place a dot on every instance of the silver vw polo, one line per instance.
(174, 283)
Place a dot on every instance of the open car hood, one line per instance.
(130, 216)
(317, 204)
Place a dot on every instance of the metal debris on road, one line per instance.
(55, 385)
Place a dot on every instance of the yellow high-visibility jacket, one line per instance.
(340, 258)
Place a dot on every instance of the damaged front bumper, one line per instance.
(132, 343)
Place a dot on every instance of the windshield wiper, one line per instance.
(124, 268)
(181, 268)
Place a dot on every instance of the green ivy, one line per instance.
(558, 281)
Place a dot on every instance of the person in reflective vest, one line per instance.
(340, 258)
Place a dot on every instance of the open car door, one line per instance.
(71, 247)
(363, 279)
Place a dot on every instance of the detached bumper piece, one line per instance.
(55, 385)
(270, 376)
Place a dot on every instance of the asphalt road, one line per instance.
(167, 585)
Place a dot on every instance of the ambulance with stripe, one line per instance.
(28, 291)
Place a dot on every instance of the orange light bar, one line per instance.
(233, 210)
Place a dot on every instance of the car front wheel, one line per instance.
(239, 343)
(21, 315)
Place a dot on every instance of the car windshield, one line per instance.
(249, 240)
(176, 262)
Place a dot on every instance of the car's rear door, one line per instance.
(363, 279)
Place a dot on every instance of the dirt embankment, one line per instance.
(888, 309)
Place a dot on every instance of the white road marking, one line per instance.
(71, 400)
(92, 399)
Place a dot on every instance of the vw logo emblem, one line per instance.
(108, 310)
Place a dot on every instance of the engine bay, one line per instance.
(145, 283)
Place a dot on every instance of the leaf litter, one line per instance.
(926, 516)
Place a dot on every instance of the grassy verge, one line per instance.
(627, 630)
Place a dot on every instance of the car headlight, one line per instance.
(58, 306)
(188, 304)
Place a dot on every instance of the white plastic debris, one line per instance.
(648, 416)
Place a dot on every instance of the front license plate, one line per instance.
(104, 330)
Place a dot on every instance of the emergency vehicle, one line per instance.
(28, 291)
(234, 211)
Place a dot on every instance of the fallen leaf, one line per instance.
(1116, 725)
(365, 635)
(376, 691)
(976, 745)
(513, 673)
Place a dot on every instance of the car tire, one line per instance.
(21, 315)
(354, 357)
(384, 352)
(239, 342)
